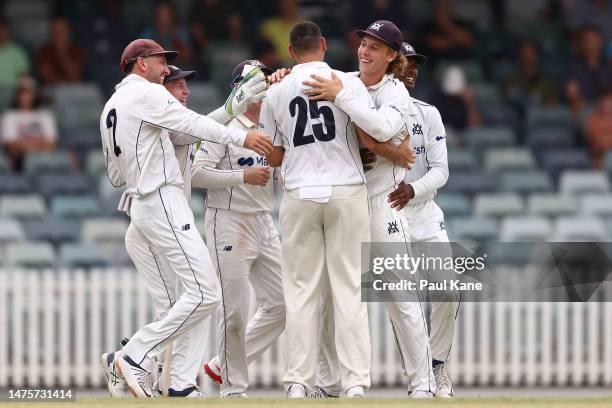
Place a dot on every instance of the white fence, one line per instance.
(54, 326)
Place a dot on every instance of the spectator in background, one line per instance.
(14, 60)
(167, 33)
(590, 73)
(456, 101)
(25, 126)
(447, 37)
(590, 12)
(375, 10)
(598, 128)
(209, 19)
(277, 28)
(264, 51)
(61, 59)
(528, 83)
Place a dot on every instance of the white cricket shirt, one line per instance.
(321, 148)
(220, 169)
(141, 125)
(428, 139)
(393, 106)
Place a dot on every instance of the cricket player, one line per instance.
(324, 193)
(140, 125)
(244, 246)
(425, 218)
(158, 275)
(380, 62)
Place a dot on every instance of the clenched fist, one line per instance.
(257, 176)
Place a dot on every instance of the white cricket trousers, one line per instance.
(245, 248)
(319, 237)
(165, 221)
(426, 224)
(161, 283)
(407, 318)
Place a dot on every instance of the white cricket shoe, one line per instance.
(213, 370)
(236, 395)
(420, 394)
(356, 391)
(444, 386)
(191, 392)
(318, 392)
(296, 391)
(138, 379)
(117, 387)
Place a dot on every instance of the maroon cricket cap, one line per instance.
(385, 31)
(143, 47)
(409, 52)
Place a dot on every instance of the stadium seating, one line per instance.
(525, 229)
(55, 231)
(68, 184)
(596, 205)
(588, 229)
(558, 160)
(78, 107)
(474, 229)
(549, 117)
(4, 165)
(204, 98)
(14, 184)
(607, 164)
(500, 160)
(48, 162)
(10, 231)
(95, 164)
(542, 139)
(463, 160)
(498, 205)
(104, 230)
(551, 205)
(23, 206)
(454, 205)
(83, 256)
(30, 255)
(468, 183)
(483, 138)
(526, 182)
(77, 207)
(577, 183)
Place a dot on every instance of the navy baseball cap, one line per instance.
(237, 72)
(177, 73)
(385, 31)
(409, 52)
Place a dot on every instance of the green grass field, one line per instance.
(344, 403)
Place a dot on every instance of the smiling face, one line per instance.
(374, 56)
(411, 73)
(179, 89)
(154, 68)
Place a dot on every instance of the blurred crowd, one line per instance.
(490, 61)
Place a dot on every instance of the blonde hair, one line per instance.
(398, 65)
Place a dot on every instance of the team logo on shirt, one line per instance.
(417, 129)
(170, 102)
(227, 248)
(246, 161)
(442, 226)
(392, 229)
(438, 138)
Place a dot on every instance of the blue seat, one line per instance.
(555, 117)
(550, 138)
(454, 205)
(468, 183)
(485, 137)
(14, 184)
(77, 207)
(462, 160)
(524, 182)
(556, 161)
(55, 184)
(480, 229)
(48, 162)
(83, 256)
(11, 231)
(53, 230)
(30, 255)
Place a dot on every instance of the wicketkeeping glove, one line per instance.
(252, 88)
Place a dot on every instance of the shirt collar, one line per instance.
(245, 121)
(131, 78)
(310, 65)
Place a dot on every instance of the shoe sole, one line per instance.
(136, 390)
(212, 375)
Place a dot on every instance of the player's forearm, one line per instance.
(374, 123)
(209, 177)
(386, 150)
(275, 159)
(433, 180)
